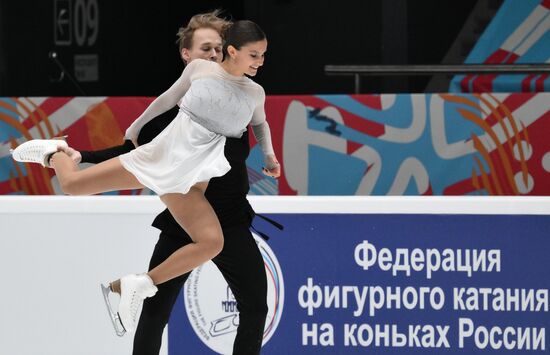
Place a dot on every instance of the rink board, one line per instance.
(321, 273)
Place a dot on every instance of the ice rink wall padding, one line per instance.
(406, 144)
(348, 275)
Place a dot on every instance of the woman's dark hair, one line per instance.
(241, 33)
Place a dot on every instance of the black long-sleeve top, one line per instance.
(226, 194)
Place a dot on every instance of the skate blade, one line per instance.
(115, 319)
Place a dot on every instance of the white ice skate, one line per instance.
(134, 289)
(115, 318)
(37, 150)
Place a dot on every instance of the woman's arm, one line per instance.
(262, 132)
(147, 134)
(164, 102)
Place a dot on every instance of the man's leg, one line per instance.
(242, 266)
(156, 310)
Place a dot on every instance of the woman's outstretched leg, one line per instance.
(191, 210)
(106, 176)
(109, 175)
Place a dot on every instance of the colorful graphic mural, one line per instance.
(420, 144)
(519, 34)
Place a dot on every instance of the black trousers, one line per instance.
(242, 266)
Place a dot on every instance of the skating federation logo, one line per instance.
(212, 308)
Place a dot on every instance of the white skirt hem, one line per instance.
(182, 155)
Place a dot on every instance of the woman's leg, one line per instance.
(156, 310)
(194, 213)
(191, 210)
(109, 175)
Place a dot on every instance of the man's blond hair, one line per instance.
(207, 20)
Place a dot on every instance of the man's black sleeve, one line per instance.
(98, 156)
(147, 133)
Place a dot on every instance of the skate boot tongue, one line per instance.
(134, 289)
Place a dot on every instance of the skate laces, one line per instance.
(138, 295)
(134, 305)
(33, 152)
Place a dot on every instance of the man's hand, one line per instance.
(73, 154)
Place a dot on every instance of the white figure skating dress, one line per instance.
(215, 104)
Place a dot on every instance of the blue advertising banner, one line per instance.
(348, 283)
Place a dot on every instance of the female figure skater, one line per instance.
(240, 261)
(218, 101)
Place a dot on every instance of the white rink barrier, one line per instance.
(56, 250)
